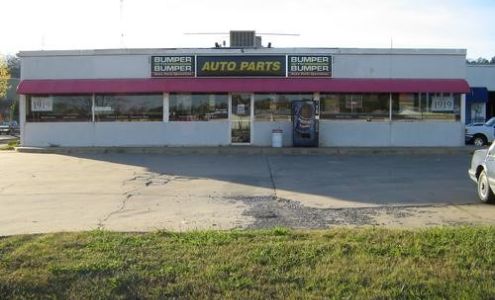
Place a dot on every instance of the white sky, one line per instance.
(91, 24)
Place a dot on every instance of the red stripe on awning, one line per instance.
(264, 85)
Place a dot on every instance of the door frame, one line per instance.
(251, 119)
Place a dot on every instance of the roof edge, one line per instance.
(207, 51)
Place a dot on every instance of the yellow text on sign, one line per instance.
(249, 66)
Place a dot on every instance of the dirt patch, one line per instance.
(269, 212)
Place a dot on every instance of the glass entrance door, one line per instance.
(240, 119)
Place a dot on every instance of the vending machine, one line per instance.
(305, 127)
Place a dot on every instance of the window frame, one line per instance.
(277, 98)
(220, 104)
(343, 99)
(36, 117)
(130, 118)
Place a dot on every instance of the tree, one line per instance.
(4, 77)
(482, 61)
(14, 64)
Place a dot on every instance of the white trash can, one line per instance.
(277, 138)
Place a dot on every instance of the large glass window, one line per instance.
(198, 107)
(355, 106)
(441, 106)
(426, 106)
(406, 106)
(276, 107)
(126, 107)
(60, 108)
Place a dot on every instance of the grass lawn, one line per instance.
(450, 262)
(10, 145)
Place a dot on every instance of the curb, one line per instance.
(249, 150)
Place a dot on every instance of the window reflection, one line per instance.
(355, 106)
(198, 107)
(143, 107)
(276, 107)
(405, 106)
(65, 108)
(426, 106)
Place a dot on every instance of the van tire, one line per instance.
(485, 193)
(480, 140)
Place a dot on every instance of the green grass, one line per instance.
(10, 146)
(438, 263)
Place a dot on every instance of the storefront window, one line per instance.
(198, 107)
(64, 108)
(355, 106)
(441, 106)
(406, 106)
(424, 106)
(276, 107)
(143, 107)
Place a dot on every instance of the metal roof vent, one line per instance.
(243, 39)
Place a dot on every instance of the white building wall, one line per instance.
(391, 134)
(354, 133)
(86, 67)
(399, 66)
(347, 63)
(262, 135)
(427, 134)
(22, 117)
(332, 134)
(79, 134)
(481, 76)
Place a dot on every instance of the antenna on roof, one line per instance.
(43, 41)
(122, 43)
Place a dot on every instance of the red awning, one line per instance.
(261, 85)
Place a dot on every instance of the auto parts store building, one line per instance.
(228, 96)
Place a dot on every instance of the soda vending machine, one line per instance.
(305, 127)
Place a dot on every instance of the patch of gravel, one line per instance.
(269, 212)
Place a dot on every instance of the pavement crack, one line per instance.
(127, 195)
(6, 187)
(148, 179)
(274, 187)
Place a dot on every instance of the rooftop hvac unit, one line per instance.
(243, 39)
(258, 42)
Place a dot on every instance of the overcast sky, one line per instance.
(91, 24)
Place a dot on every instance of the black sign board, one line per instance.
(241, 66)
(172, 66)
(309, 66)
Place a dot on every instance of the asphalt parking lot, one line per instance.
(139, 192)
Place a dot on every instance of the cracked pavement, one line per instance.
(142, 192)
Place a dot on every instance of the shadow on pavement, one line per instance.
(354, 179)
